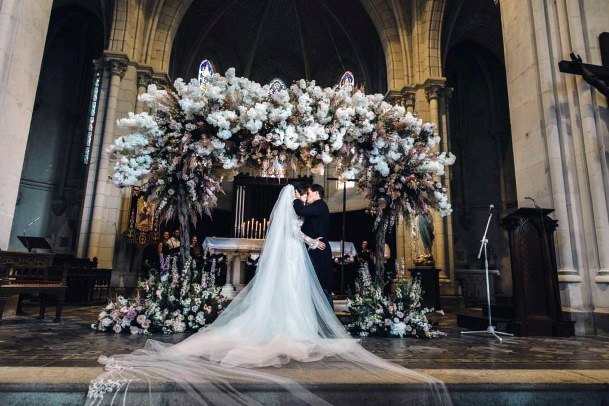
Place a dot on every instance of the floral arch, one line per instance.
(196, 135)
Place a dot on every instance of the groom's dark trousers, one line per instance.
(316, 224)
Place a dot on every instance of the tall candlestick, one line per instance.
(242, 211)
(236, 211)
(258, 227)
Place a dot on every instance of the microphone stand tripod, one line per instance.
(490, 329)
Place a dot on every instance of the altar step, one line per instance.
(466, 387)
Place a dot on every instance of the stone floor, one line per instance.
(27, 342)
(42, 362)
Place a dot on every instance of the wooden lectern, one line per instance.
(537, 309)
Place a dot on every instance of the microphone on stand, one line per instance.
(24, 236)
(490, 208)
(533, 200)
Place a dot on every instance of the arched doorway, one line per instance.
(480, 135)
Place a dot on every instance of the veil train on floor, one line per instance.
(282, 318)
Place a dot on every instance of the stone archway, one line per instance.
(58, 149)
(479, 127)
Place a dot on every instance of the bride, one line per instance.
(281, 317)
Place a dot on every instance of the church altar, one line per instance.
(237, 250)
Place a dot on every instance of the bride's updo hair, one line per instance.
(300, 188)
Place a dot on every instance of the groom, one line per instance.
(311, 207)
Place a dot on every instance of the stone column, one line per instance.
(233, 267)
(433, 90)
(394, 97)
(400, 240)
(403, 238)
(450, 238)
(408, 98)
(559, 133)
(144, 78)
(102, 233)
(23, 31)
(591, 137)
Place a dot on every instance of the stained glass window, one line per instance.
(276, 85)
(206, 70)
(92, 113)
(347, 80)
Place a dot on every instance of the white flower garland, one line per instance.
(196, 135)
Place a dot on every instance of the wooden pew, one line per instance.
(35, 280)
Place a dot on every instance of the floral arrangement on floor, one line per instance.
(176, 300)
(399, 315)
(198, 134)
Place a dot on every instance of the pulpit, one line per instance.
(537, 309)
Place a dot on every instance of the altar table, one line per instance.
(237, 250)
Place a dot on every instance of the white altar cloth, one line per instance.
(237, 250)
(222, 245)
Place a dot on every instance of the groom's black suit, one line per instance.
(316, 224)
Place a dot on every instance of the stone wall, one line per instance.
(559, 133)
(23, 29)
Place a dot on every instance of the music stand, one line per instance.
(31, 243)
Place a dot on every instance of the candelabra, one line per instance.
(252, 228)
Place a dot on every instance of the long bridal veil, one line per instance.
(281, 317)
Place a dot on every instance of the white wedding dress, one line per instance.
(282, 316)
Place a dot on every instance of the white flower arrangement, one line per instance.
(400, 315)
(197, 135)
(171, 304)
